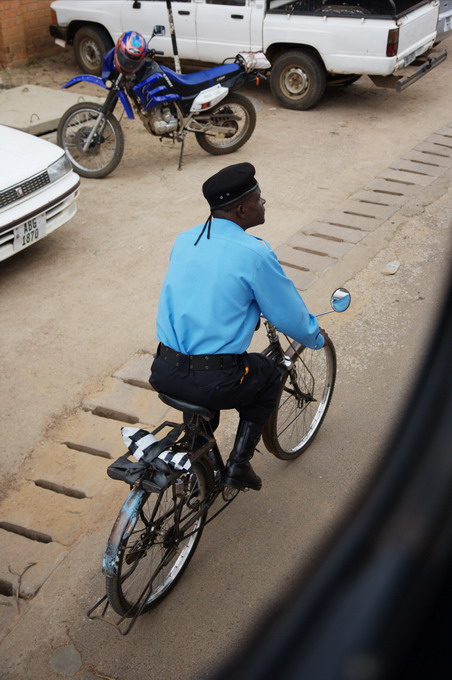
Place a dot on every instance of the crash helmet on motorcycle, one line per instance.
(130, 52)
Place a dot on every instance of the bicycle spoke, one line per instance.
(303, 401)
(161, 544)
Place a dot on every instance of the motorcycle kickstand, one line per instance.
(182, 143)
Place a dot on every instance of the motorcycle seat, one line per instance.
(191, 83)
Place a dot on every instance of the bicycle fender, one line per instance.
(123, 526)
(95, 80)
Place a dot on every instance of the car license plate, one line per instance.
(30, 231)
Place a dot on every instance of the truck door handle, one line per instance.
(236, 16)
(183, 11)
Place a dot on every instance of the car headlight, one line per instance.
(58, 169)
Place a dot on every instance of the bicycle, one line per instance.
(176, 480)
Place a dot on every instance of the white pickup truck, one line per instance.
(309, 43)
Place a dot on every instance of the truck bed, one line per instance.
(383, 9)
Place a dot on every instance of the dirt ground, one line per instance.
(78, 303)
(259, 547)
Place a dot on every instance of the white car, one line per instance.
(38, 190)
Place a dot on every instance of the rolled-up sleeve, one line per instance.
(280, 302)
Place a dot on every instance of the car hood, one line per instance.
(22, 155)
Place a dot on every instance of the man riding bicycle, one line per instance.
(220, 279)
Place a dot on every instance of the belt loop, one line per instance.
(184, 365)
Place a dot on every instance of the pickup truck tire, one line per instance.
(90, 45)
(235, 113)
(298, 80)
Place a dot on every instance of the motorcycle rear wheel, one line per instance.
(105, 151)
(237, 115)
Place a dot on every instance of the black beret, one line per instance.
(229, 184)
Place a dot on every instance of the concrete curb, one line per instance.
(66, 481)
(37, 110)
(318, 246)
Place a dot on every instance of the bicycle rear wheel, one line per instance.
(303, 400)
(153, 554)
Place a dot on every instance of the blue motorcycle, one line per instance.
(169, 105)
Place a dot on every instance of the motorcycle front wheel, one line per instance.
(228, 125)
(106, 148)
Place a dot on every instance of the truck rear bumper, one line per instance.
(418, 69)
(424, 63)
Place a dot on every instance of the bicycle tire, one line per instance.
(104, 155)
(302, 402)
(153, 548)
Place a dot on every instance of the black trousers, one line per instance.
(251, 387)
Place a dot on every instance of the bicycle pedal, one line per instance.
(229, 493)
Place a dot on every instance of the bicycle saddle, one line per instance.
(186, 407)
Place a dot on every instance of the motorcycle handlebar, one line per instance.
(155, 53)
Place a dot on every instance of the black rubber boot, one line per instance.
(238, 472)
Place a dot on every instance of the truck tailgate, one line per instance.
(417, 32)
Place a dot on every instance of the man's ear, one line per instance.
(240, 210)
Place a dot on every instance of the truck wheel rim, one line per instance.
(295, 82)
(90, 52)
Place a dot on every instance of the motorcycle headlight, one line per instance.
(58, 169)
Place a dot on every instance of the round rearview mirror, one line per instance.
(340, 300)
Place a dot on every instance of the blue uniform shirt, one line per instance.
(214, 293)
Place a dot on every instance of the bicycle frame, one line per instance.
(285, 360)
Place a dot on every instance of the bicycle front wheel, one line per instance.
(303, 400)
(153, 555)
